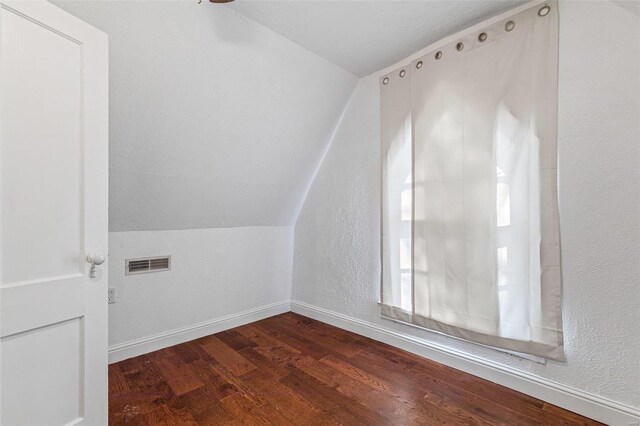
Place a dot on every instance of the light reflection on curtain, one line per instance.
(477, 129)
(397, 193)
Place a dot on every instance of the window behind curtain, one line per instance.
(470, 235)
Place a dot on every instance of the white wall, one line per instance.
(214, 120)
(218, 122)
(336, 260)
(217, 125)
(214, 273)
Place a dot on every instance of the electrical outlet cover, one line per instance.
(111, 295)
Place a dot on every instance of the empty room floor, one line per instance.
(290, 369)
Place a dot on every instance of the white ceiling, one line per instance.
(214, 120)
(366, 36)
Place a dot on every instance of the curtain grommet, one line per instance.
(438, 55)
(544, 10)
(509, 26)
(459, 46)
(419, 64)
(385, 80)
(402, 73)
(482, 37)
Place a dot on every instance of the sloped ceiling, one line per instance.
(365, 36)
(215, 120)
(632, 6)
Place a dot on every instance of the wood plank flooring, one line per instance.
(292, 370)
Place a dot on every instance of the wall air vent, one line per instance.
(147, 264)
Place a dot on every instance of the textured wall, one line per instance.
(214, 273)
(336, 260)
(215, 120)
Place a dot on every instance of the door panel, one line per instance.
(18, 301)
(57, 400)
(53, 190)
(42, 163)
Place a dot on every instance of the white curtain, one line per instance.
(470, 235)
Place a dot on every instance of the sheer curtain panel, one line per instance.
(470, 235)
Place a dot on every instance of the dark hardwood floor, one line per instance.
(292, 370)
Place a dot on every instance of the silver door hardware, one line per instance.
(94, 261)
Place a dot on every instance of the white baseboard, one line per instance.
(148, 344)
(576, 400)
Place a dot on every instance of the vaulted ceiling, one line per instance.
(365, 36)
(214, 120)
(217, 120)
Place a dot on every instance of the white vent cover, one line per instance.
(147, 264)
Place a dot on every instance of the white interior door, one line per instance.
(53, 188)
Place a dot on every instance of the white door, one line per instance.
(53, 194)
